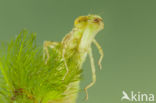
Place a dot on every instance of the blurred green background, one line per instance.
(128, 40)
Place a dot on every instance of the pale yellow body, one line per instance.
(80, 38)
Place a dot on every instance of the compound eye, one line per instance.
(81, 19)
(97, 20)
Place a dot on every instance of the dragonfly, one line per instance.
(79, 39)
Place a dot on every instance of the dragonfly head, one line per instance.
(94, 21)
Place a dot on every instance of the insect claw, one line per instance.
(100, 66)
(86, 98)
(93, 73)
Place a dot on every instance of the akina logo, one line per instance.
(137, 97)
